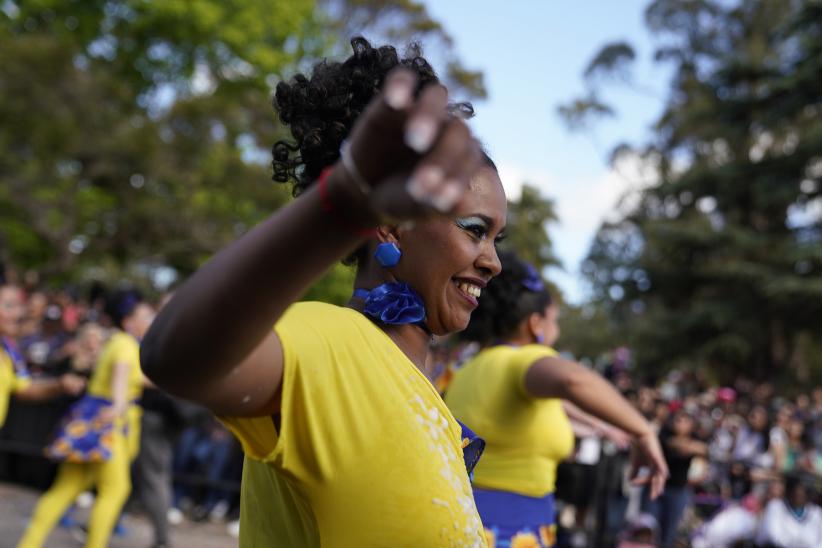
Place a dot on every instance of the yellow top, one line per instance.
(525, 437)
(120, 348)
(10, 382)
(367, 453)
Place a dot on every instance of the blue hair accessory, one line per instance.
(393, 303)
(388, 254)
(532, 281)
(128, 303)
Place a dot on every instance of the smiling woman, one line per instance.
(347, 442)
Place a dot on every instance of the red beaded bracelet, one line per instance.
(339, 219)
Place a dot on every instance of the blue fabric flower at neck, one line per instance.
(393, 303)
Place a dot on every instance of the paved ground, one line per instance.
(16, 504)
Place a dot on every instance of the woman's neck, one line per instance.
(518, 340)
(414, 342)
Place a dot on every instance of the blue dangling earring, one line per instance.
(388, 254)
(540, 338)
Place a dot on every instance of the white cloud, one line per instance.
(582, 205)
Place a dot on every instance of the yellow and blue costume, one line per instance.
(525, 437)
(364, 452)
(95, 452)
(14, 377)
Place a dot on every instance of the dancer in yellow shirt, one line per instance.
(510, 393)
(347, 443)
(100, 434)
(387, 409)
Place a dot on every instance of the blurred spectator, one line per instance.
(163, 419)
(680, 447)
(793, 521)
(752, 440)
(35, 311)
(210, 451)
(641, 532)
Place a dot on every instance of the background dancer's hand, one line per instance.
(110, 413)
(72, 384)
(647, 453)
(417, 158)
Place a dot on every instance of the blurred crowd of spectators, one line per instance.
(745, 465)
(64, 331)
(745, 460)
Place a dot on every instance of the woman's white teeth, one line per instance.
(469, 289)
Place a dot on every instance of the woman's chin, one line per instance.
(454, 325)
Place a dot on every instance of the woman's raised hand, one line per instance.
(416, 158)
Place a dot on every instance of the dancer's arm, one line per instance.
(213, 343)
(597, 426)
(119, 388)
(553, 377)
(46, 389)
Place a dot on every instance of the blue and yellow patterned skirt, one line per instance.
(84, 435)
(516, 521)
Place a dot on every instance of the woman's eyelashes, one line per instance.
(474, 225)
(478, 227)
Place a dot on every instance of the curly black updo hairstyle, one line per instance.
(516, 293)
(321, 109)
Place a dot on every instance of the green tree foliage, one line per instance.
(134, 132)
(718, 264)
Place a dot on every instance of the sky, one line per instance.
(533, 54)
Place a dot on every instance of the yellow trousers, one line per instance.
(112, 479)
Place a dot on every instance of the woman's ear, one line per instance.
(534, 325)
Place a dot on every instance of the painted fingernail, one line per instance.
(447, 197)
(398, 94)
(424, 181)
(413, 188)
(420, 134)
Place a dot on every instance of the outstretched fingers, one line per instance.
(417, 157)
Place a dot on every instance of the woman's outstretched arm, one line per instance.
(597, 426)
(557, 378)
(220, 320)
(213, 343)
